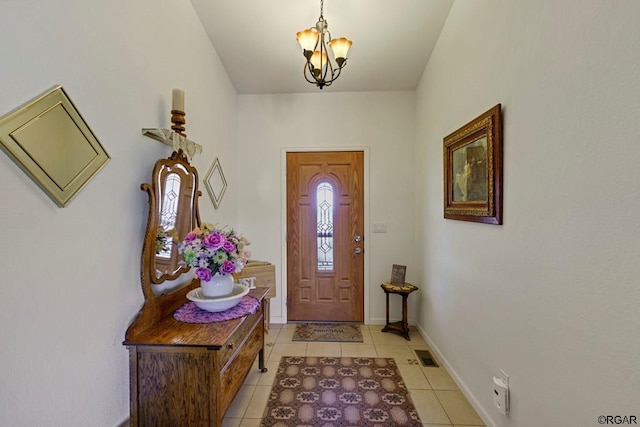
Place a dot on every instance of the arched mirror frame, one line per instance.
(158, 305)
(174, 209)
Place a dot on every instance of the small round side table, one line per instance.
(404, 291)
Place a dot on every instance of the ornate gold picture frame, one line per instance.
(50, 141)
(473, 170)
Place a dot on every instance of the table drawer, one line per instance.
(233, 375)
(235, 340)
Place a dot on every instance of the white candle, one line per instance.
(177, 102)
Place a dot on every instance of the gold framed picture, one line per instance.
(50, 141)
(473, 170)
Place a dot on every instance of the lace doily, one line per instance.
(191, 313)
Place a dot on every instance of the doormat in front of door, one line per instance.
(332, 332)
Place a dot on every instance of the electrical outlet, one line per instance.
(504, 377)
(501, 392)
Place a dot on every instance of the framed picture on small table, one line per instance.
(397, 274)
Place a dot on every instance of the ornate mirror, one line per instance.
(173, 212)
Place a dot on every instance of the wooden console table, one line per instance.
(404, 291)
(187, 374)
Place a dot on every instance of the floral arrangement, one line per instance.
(214, 250)
(164, 237)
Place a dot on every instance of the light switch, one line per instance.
(379, 227)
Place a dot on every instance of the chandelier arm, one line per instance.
(323, 81)
(334, 76)
(328, 70)
(323, 48)
(307, 67)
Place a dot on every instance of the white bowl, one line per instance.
(215, 304)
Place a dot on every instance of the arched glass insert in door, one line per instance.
(324, 209)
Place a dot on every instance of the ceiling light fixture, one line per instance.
(319, 70)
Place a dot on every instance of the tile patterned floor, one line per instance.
(437, 398)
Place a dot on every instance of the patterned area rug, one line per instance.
(339, 391)
(334, 332)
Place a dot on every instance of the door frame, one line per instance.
(283, 219)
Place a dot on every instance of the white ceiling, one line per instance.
(256, 41)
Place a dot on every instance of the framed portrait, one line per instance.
(473, 170)
(398, 274)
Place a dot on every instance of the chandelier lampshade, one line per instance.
(340, 48)
(308, 39)
(315, 44)
(318, 62)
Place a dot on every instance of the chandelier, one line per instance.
(319, 69)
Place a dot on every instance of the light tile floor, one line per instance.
(437, 398)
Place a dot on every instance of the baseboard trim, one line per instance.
(375, 321)
(444, 362)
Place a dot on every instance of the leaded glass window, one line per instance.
(169, 211)
(324, 208)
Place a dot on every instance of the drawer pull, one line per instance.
(230, 346)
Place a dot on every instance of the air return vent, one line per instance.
(425, 358)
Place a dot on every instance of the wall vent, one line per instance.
(425, 358)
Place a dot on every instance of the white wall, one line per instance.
(380, 122)
(551, 296)
(70, 277)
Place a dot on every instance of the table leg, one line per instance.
(405, 322)
(261, 364)
(386, 324)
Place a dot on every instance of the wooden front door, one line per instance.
(325, 265)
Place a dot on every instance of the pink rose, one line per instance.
(203, 274)
(228, 246)
(213, 241)
(227, 267)
(190, 236)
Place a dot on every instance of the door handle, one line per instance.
(357, 238)
(357, 251)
